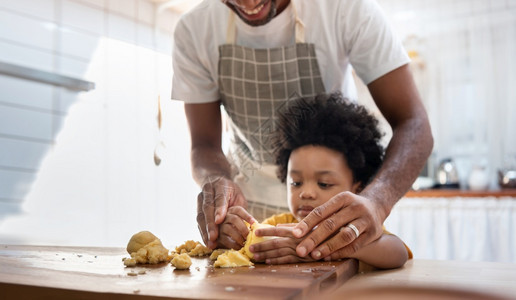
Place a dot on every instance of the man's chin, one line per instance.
(258, 20)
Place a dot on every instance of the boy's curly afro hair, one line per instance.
(331, 121)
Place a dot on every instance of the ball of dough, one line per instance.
(139, 240)
(146, 248)
(252, 238)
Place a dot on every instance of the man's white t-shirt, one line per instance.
(344, 32)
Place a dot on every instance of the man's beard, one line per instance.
(270, 16)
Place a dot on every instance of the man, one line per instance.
(251, 59)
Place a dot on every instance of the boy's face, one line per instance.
(315, 174)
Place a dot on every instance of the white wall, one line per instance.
(465, 71)
(78, 168)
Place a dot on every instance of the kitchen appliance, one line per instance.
(447, 175)
(478, 178)
(423, 183)
(507, 178)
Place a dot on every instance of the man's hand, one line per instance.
(217, 196)
(330, 237)
(280, 250)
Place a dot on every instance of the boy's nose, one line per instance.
(307, 194)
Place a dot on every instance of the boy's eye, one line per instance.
(295, 183)
(325, 185)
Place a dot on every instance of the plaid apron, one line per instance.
(254, 84)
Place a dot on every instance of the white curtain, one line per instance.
(468, 229)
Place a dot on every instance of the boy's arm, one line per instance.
(280, 250)
(387, 252)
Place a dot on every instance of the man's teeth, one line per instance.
(254, 11)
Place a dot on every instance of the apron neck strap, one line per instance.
(299, 27)
(231, 30)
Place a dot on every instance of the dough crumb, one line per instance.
(216, 253)
(187, 246)
(193, 248)
(129, 262)
(182, 261)
(200, 250)
(232, 259)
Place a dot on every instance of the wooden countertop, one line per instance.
(436, 193)
(465, 280)
(39, 272)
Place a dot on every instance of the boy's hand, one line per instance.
(233, 231)
(281, 250)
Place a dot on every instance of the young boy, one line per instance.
(325, 146)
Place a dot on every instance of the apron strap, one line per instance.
(231, 31)
(299, 27)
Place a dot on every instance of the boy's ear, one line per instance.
(357, 187)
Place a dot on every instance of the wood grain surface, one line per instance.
(40, 272)
(433, 280)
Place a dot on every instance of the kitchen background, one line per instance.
(78, 167)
